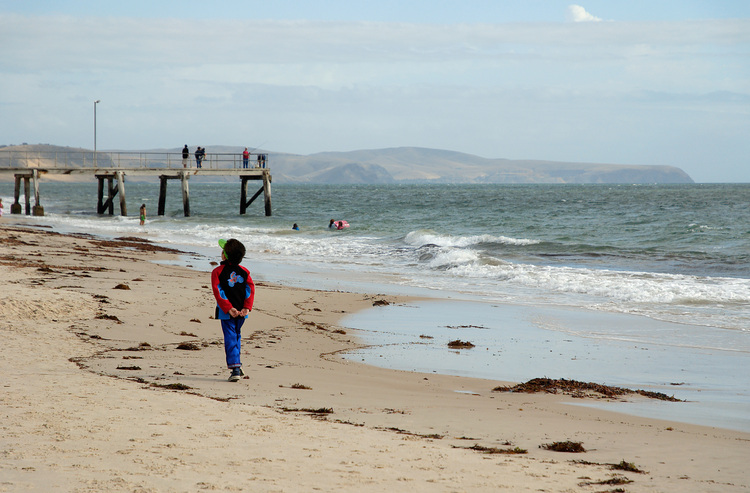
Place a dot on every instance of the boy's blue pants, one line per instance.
(232, 340)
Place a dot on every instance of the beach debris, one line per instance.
(388, 410)
(104, 316)
(300, 386)
(578, 389)
(318, 411)
(122, 286)
(187, 334)
(381, 303)
(134, 243)
(137, 279)
(496, 450)
(459, 344)
(425, 336)
(347, 422)
(614, 480)
(626, 466)
(144, 346)
(220, 399)
(196, 320)
(621, 466)
(431, 436)
(132, 238)
(566, 446)
(189, 346)
(339, 331)
(172, 386)
(128, 367)
(465, 327)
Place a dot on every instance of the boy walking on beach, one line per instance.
(234, 291)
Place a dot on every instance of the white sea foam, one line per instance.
(448, 255)
(419, 238)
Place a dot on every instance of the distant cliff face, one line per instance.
(400, 165)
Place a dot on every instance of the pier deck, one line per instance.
(29, 169)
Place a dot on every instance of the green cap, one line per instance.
(222, 243)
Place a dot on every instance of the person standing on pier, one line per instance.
(245, 158)
(185, 156)
(200, 153)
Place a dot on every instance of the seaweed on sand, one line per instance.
(579, 389)
(172, 386)
(496, 450)
(459, 344)
(566, 446)
(612, 481)
(104, 316)
(188, 346)
(318, 411)
(623, 465)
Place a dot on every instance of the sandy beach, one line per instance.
(114, 379)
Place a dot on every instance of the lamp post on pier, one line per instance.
(95, 103)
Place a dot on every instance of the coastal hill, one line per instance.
(404, 165)
(414, 164)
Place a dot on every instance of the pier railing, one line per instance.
(125, 160)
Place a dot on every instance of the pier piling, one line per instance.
(112, 191)
(265, 190)
(27, 177)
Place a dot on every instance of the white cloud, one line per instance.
(576, 13)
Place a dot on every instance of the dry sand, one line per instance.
(98, 396)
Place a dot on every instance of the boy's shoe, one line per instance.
(236, 375)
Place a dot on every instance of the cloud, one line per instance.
(576, 13)
(513, 90)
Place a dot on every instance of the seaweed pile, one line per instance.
(578, 389)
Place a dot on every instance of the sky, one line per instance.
(603, 81)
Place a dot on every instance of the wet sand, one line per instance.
(113, 389)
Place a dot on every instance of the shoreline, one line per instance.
(387, 427)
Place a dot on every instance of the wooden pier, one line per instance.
(114, 176)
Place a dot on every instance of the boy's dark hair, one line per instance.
(234, 251)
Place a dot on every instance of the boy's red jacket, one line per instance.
(232, 287)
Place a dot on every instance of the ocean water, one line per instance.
(653, 266)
